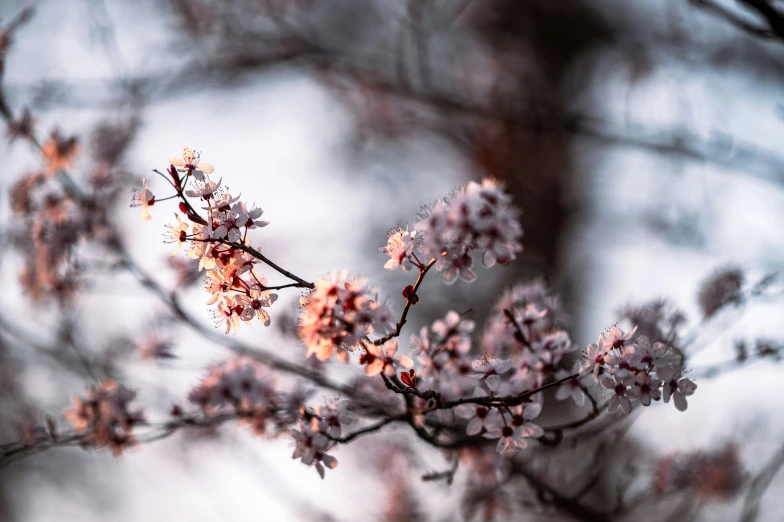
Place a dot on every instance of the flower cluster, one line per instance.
(328, 417)
(515, 427)
(242, 386)
(237, 290)
(311, 447)
(105, 415)
(524, 326)
(637, 371)
(525, 349)
(494, 385)
(477, 217)
(443, 351)
(338, 313)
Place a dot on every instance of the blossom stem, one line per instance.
(371, 428)
(511, 318)
(409, 302)
(161, 174)
(301, 283)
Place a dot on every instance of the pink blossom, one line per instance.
(382, 358)
(189, 162)
(399, 248)
(479, 418)
(478, 217)
(618, 399)
(490, 369)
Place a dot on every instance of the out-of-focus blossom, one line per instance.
(311, 447)
(330, 417)
(59, 152)
(105, 415)
(241, 386)
(721, 289)
(22, 127)
(156, 348)
(454, 332)
(716, 475)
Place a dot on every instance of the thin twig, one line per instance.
(409, 302)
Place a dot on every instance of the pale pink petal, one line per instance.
(493, 382)
(474, 427)
(404, 361)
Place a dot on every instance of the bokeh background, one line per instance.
(642, 139)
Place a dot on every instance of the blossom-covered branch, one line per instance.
(457, 393)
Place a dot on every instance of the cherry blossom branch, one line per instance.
(508, 400)
(490, 401)
(594, 413)
(14, 451)
(301, 283)
(126, 261)
(370, 429)
(238, 347)
(178, 186)
(410, 300)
